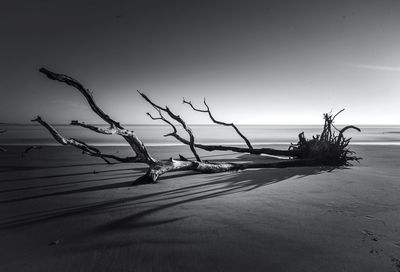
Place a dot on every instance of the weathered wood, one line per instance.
(327, 148)
(324, 149)
(251, 150)
(176, 118)
(161, 167)
(219, 122)
(129, 136)
(86, 149)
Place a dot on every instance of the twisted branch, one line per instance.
(255, 151)
(218, 122)
(129, 136)
(107, 131)
(326, 149)
(176, 118)
(86, 149)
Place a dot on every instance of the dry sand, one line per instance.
(62, 211)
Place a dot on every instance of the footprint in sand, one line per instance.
(56, 242)
(396, 263)
(370, 234)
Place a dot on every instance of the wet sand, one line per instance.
(63, 211)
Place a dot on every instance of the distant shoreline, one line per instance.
(231, 144)
(153, 135)
(211, 124)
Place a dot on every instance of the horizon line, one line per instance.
(209, 124)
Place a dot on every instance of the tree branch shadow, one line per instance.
(12, 168)
(217, 186)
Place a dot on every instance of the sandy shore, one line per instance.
(62, 211)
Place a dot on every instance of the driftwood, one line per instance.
(325, 149)
(207, 110)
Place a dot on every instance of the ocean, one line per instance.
(152, 135)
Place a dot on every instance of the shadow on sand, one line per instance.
(217, 185)
(11, 168)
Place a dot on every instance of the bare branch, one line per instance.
(85, 92)
(324, 149)
(129, 136)
(256, 151)
(340, 136)
(166, 121)
(87, 149)
(218, 122)
(107, 131)
(176, 118)
(349, 127)
(333, 118)
(184, 101)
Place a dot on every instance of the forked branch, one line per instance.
(207, 110)
(176, 118)
(324, 149)
(86, 149)
(255, 151)
(129, 136)
(85, 92)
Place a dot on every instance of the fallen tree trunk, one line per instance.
(161, 167)
(324, 149)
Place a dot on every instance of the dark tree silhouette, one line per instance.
(328, 148)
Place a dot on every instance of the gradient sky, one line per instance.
(256, 62)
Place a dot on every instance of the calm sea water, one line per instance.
(152, 135)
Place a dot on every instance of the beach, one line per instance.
(64, 211)
(298, 85)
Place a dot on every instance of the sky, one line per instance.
(256, 62)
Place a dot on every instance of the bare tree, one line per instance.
(328, 148)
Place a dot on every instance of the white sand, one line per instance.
(62, 211)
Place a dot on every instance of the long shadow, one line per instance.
(115, 176)
(37, 217)
(82, 190)
(72, 174)
(237, 182)
(12, 168)
(186, 173)
(242, 182)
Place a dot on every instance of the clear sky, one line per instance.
(256, 62)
